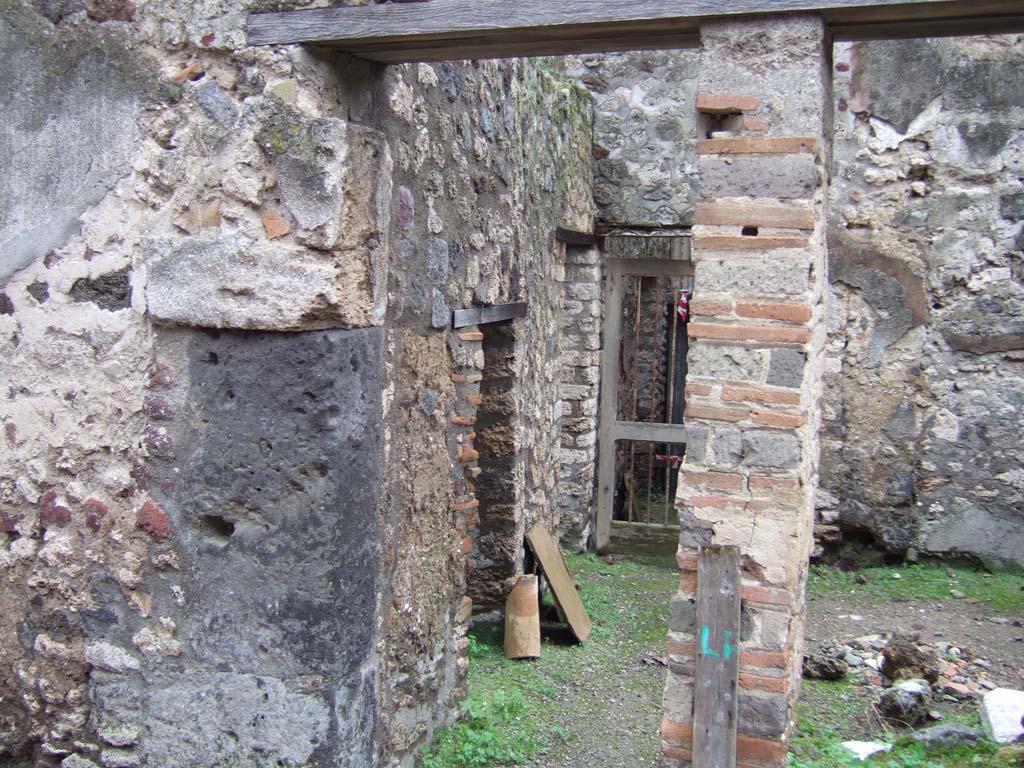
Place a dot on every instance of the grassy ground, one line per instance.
(548, 712)
(537, 712)
(923, 581)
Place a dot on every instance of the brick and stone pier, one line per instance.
(754, 364)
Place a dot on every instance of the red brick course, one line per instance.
(759, 395)
(756, 145)
(768, 333)
(726, 103)
(767, 310)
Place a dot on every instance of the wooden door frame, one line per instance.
(610, 429)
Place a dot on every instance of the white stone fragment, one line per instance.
(1001, 713)
(865, 749)
(110, 657)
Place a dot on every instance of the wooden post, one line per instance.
(717, 669)
(522, 620)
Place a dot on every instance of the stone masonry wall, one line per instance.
(181, 582)
(581, 320)
(490, 157)
(924, 387)
(238, 473)
(645, 161)
(754, 365)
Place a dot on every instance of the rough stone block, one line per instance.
(763, 714)
(784, 276)
(683, 613)
(724, 363)
(786, 368)
(211, 718)
(783, 177)
(776, 450)
(70, 131)
(233, 282)
(284, 468)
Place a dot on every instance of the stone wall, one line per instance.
(645, 162)
(238, 473)
(491, 157)
(924, 389)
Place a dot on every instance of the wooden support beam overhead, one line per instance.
(435, 30)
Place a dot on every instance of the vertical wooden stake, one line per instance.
(717, 669)
(522, 620)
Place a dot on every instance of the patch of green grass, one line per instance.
(510, 711)
(923, 581)
(985, 755)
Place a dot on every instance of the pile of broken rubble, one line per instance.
(913, 677)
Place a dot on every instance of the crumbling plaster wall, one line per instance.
(925, 385)
(233, 488)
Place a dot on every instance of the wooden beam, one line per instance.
(455, 29)
(716, 672)
(574, 237)
(483, 315)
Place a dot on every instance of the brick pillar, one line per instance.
(757, 335)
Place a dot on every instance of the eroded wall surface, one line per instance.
(490, 158)
(645, 160)
(236, 499)
(926, 339)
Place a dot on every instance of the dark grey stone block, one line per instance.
(776, 450)
(786, 368)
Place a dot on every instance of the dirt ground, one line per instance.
(612, 719)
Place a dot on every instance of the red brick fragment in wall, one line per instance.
(95, 510)
(758, 483)
(726, 103)
(722, 481)
(758, 145)
(467, 454)
(749, 214)
(715, 414)
(680, 734)
(274, 225)
(760, 749)
(711, 309)
(769, 310)
(51, 512)
(463, 421)
(474, 399)
(745, 243)
(758, 395)
(151, 519)
(778, 420)
(767, 333)
(766, 684)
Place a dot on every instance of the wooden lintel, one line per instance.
(483, 315)
(455, 29)
(574, 237)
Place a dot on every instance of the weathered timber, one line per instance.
(716, 672)
(454, 29)
(574, 237)
(567, 599)
(643, 539)
(483, 315)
